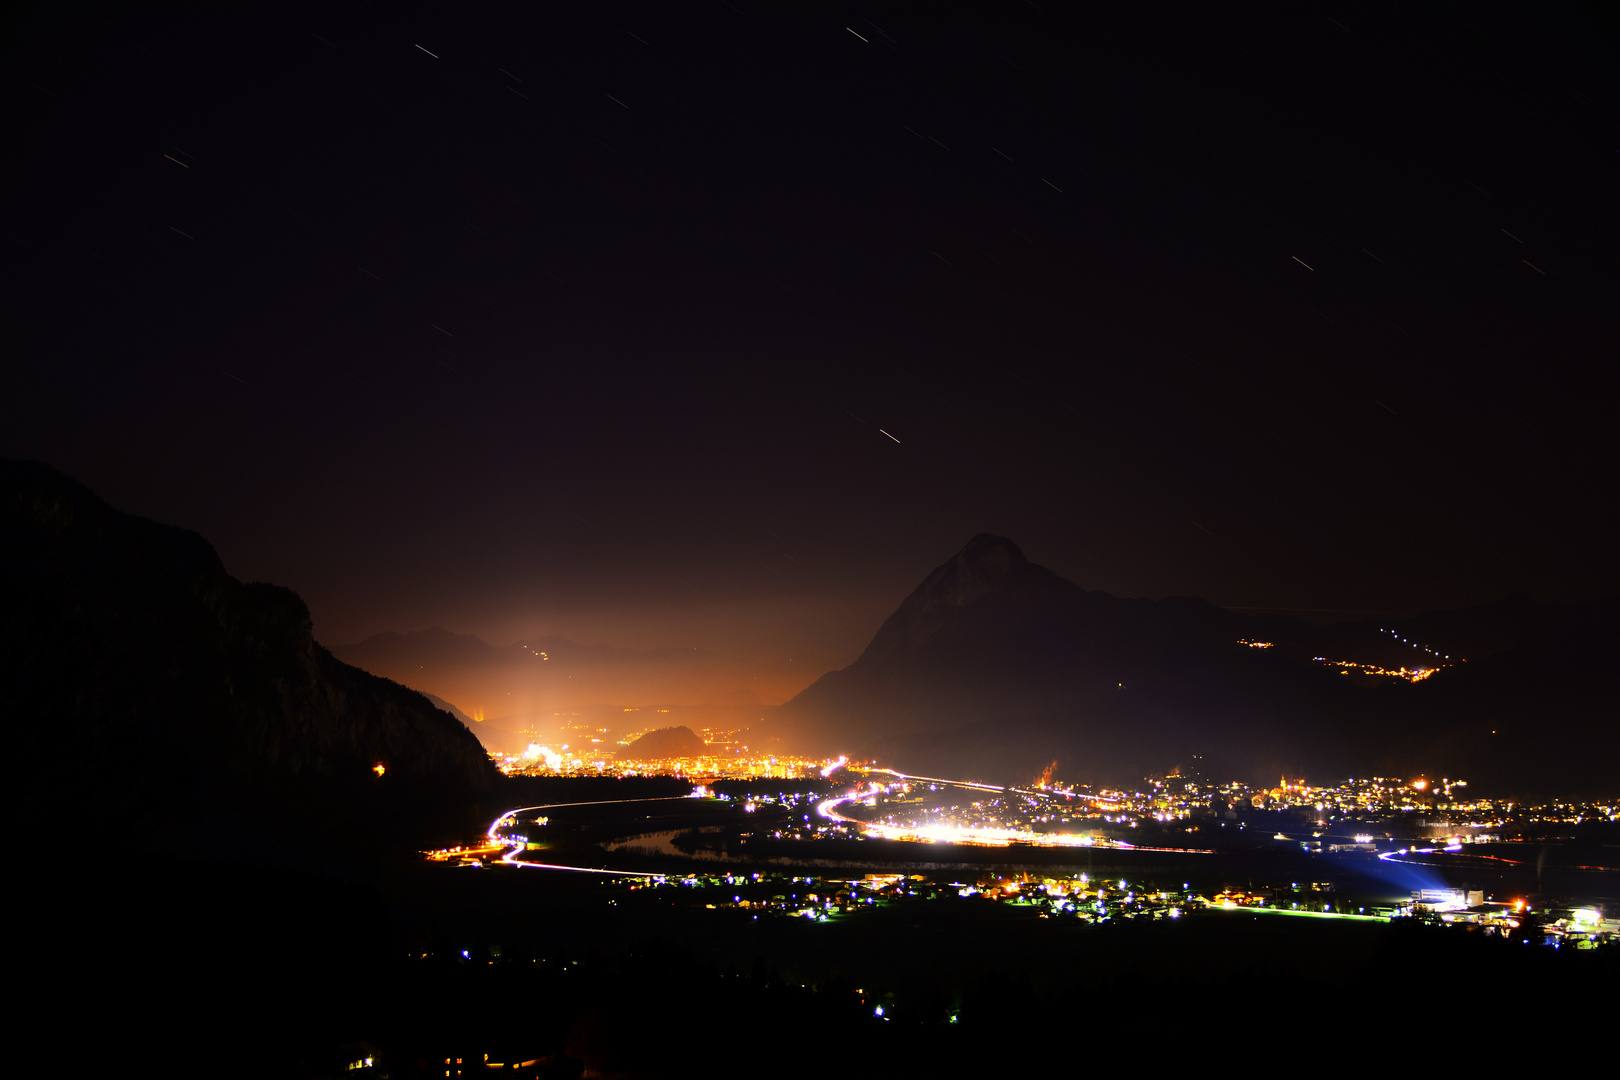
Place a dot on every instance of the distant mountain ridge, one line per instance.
(444, 706)
(995, 666)
(439, 644)
(184, 705)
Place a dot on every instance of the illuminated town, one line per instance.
(1349, 667)
(1397, 823)
(1374, 671)
(823, 897)
(541, 760)
(1357, 813)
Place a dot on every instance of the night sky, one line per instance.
(705, 324)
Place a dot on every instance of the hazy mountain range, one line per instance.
(493, 683)
(148, 687)
(995, 667)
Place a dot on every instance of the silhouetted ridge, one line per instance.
(986, 566)
(148, 684)
(995, 666)
(445, 706)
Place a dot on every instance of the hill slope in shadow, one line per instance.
(995, 666)
(152, 693)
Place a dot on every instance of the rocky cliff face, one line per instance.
(151, 693)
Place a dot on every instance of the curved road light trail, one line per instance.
(511, 857)
(1399, 857)
(827, 809)
(1095, 799)
(939, 780)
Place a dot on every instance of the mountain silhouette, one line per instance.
(445, 706)
(995, 666)
(661, 743)
(149, 687)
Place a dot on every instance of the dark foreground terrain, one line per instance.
(201, 966)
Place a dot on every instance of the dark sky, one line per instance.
(705, 324)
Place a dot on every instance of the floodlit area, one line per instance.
(542, 760)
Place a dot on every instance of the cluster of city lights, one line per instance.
(542, 760)
(1409, 674)
(1037, 806)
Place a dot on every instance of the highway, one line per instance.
(516, 845)
(512, 844)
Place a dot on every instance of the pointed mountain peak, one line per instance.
(988, 556)
(988, 566)
(985, 565)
